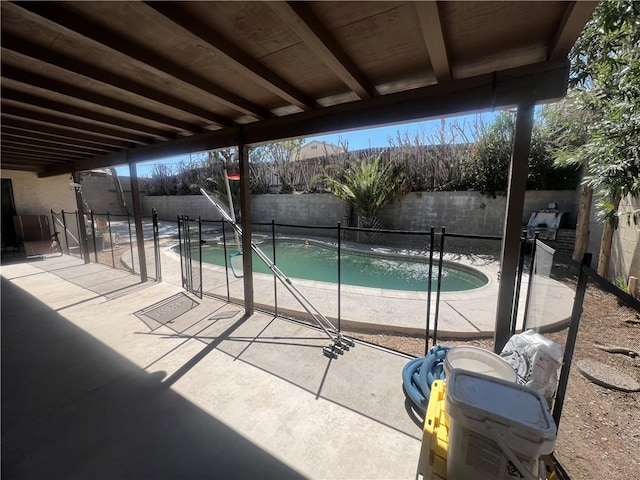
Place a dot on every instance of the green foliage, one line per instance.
(488, 169)
(365, 184)
(606, 83)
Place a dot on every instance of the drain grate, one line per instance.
(166, 311)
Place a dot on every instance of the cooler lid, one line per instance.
(482, 397)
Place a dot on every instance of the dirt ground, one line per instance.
(599, 432)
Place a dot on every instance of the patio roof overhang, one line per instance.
(96, 84)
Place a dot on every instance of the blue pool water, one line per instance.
(315, 262)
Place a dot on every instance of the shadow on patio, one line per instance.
(90, 389)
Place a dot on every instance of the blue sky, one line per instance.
(357, 139)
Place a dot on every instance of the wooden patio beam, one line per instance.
(91, 30)
(101, 75)
(535, 83)
(575, 17)
(301, 19)
(257, 72)
(75, 124)
(60, 107)
(431, 26)
(512, 230)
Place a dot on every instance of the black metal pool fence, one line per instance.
(110, 239)
(428, 247)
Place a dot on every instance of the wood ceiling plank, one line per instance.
(100, 75)
(54, 140)
(533, 83)
(34, 141)
(252, 68)
(431, 26)
(98, 34)
(59, 107)
(74, 124)
(301, 19)
(21, 79)
(44, 150)
(61, 134)
(576, 16)
(35, 155)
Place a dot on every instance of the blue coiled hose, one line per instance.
(419, 374)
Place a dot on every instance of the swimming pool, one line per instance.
(311, 261)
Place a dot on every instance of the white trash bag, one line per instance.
(536, 361)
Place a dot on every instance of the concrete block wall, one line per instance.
(170, 207)
(468, 212)
(460, 212)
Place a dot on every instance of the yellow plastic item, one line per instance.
(435, 436)
(432, 464)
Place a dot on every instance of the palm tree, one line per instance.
(366, 186)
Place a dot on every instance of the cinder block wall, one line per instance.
(468, 212)
(460, 212)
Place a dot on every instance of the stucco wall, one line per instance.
(625, 257)
(38, 196)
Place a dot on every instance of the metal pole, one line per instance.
(572, 335)
(156, 244)
(275, 279)
(534, 250)
(339, 277)
(516, 299)
(133, 269)
(429, 288)
(226, 263)
(435, 321)
(200, 254)
(113, 257)
(93, 235)
(66, 236)
(182, 263)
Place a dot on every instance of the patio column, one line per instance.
(82, 226)
(513, 223)
(245, 221)
(137, 218)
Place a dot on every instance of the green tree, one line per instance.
(366, 185)
(488, 168)
(605, 79)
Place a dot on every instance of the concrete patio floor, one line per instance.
(104, 377)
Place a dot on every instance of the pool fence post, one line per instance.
(426, 337)
(275, 279)
(516, 297)
(226, 263)
(435, 321)
(572, 335)
(93, 235)
(530, 285)
(133, 270)
(339, 277)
